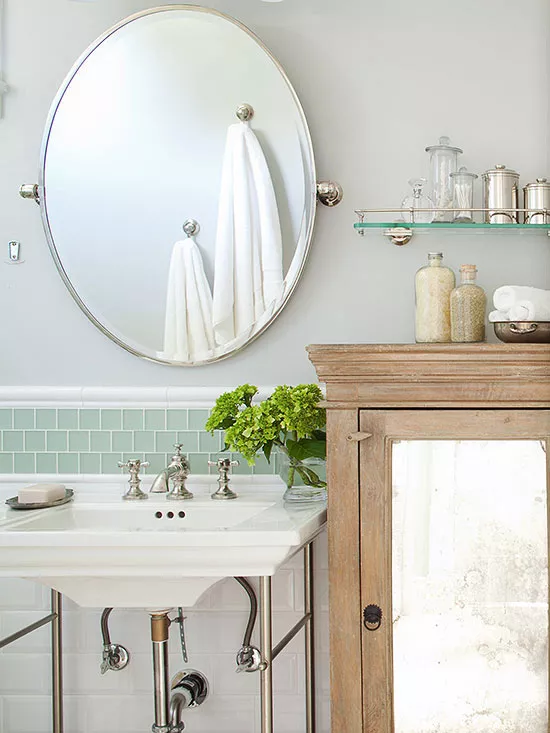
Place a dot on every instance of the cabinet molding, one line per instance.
(434, 375)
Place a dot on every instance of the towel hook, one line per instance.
(245, 112)
(191, 227)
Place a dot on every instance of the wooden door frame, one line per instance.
(375, 508)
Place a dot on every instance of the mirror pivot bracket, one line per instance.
(329, 193)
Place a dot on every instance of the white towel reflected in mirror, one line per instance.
(188, 332)
(248, 276)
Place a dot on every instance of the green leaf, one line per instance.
(306, 448)
(267, 448)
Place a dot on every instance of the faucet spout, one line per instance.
(178, 471)
(160, 484)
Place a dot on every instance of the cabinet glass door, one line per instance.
(464, 528)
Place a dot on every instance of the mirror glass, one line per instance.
(144, 135)
(470, 586)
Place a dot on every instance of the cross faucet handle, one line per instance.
(133, 465)
(224, 465)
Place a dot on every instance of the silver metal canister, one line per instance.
(537, 196)
(500, 195)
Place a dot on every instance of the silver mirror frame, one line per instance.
(41, 192)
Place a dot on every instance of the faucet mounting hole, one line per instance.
(158, 515)
(170, 515)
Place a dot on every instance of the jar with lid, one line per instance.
(536, 197)
(500, 195)
(463, 194)
(434, 284)
(443, 162)
(468, 304)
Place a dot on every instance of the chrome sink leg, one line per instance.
(266, 672)
(160, 624)
(57, 661)
(310, 639)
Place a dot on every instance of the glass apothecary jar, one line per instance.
(443, 162)
(463, 194)
(434, 284)
(468, 305)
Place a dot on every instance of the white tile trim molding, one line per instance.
(160, 397)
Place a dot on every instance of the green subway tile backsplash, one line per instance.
(94, 440)
(23, 418)
(35, 440)
(56, 441)
(67, 419)
(111, 419)
(12, 440)
(46, 462)
(123, 440)
(79, 440)
(155, 420)
(132, 419)
(46, 419)
(6, 419)
(24, 462)
(88, 419)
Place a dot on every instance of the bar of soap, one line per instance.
(41, 493)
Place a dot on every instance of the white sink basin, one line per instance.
(142, 517)
(101, 551)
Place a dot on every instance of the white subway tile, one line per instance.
(21, 595)
(26, 714)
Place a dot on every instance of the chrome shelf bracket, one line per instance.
(398, 235)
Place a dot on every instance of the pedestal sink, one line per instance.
(103, 552)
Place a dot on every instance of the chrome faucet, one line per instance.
(177, 471)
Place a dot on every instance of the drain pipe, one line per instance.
(160, 624)
(188, 689)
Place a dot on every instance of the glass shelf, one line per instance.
(446, 225)
(401, 232)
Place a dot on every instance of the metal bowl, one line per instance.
(523, 332)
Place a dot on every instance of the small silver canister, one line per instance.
(500, 195)
(537, 196)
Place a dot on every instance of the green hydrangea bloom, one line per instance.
(290, 419)
(229, 405)
(254, 427)
(298, 408)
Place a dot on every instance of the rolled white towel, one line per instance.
(498, 316)
(507, 296)
(527, 310)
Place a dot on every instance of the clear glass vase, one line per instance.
(304, 479)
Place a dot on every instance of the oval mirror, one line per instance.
(178, 113)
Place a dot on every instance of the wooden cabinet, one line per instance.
(454, 556)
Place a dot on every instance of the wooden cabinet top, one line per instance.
(434, 375)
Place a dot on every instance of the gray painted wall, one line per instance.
(379, 80)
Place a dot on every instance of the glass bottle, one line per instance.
(417, 200)
(434, 284)
(443, 162)
(468, 304)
